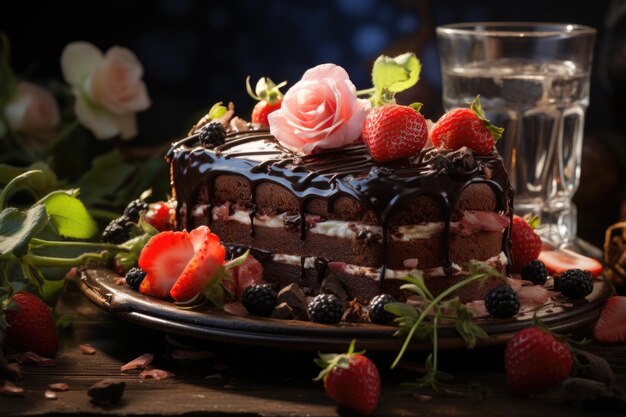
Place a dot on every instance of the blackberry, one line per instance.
(574, 284)
(134, 208)
(259, 299)
(135, 277)
(118, 231)
(377, 312)
(502, 302)
(325, 308)
(212, 134)
(535, 271)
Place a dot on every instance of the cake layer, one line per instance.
(340, 207)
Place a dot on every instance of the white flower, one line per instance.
(108, 88)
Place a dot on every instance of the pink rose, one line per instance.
(32, 111)
(320, 111)
(108, 88)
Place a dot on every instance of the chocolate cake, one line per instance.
(337, 218)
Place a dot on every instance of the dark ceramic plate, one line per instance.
(98, 285)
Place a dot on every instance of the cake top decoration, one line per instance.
(320, 111)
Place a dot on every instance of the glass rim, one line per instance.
(516, 29)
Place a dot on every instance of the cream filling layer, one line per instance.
(345, 229)
(498, 262)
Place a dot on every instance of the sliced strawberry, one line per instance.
(558, 261)
(611, 327)
(201, 269)
(159, 215)
(248, 273)
(164, 258)
(198, 236)
(145, 289)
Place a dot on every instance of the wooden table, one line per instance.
(249, 382)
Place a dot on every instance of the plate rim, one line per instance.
(98, 286)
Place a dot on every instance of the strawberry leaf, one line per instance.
(477, 109)
(18, 227)
(69, 215)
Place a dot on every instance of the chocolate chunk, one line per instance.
(107, 391)
(355, 312)
(282, 311)
(593, 395)
(332, 285)
(293, 296)
(593, 367)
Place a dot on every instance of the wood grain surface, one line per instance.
(250, 381)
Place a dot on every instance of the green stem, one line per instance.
(429, 307)
(435, 344)
(38, 260)
(366, 92)
(70, 244)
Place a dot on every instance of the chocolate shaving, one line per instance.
(157, 374)
(139, 363)
(50, 395)
(87, 349)
(59, 386)
(11, 390)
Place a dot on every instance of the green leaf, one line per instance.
(392, 75)
(69, 216)
(217, 111)
(38, 185)
(18, 227)
(401, 310)
(468, 329)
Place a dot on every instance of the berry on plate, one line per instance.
(31, 326)
(134, 277)
(159, 216)
(202, 268)
(325, 308)
(535, 272)
(611, 327)
(164, 258)
(118, 230)
(502, 302)
(465, 127)
(376, 309)
(392, 131)
(269, 99)
(350, 379)
(574, 284)
(259, 299)
(558, 261)
(525, 243)
(536, 361)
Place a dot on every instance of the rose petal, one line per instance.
(86, 349)
(100, 122)
(157, 374)
(59, 386)
(78, 60)
(11, 390)
(50, 395)
(126, 124)
(141, 362)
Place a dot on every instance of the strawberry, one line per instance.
(558, 261)
(164, 258)
(159, 215)
(269, 96)
(465, 127)
(205, 265)
(611, 327)
(525, 243)
(350, 379)
(31, 327)
(536, 361)
(392, 131)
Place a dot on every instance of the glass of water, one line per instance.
(533, 80)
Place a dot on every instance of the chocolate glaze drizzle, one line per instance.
(348, 171)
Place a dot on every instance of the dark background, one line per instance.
(196, 53)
